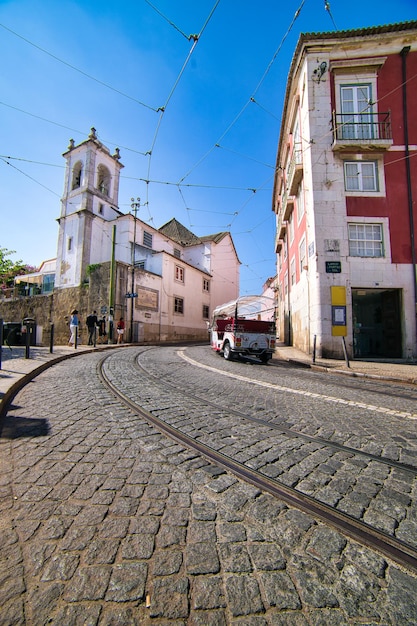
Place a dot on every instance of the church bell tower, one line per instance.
(88, 206)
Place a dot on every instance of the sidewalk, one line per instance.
(387, 369)
(15, 366)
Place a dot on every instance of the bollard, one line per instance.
(1, 340)
(51, 339)
(345, 352)
(76, 337)
(27, 342)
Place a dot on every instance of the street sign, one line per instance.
(333, 267)
(131, 295)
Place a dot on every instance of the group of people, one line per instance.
(93, 324)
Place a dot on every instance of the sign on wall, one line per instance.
(338, 299)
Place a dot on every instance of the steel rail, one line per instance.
(363, 533)
(406, 467)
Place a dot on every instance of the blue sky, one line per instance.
(68, 66)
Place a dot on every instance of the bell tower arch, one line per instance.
(88, 206)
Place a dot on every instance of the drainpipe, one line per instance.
(404, 52)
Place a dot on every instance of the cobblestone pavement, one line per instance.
(105, 521)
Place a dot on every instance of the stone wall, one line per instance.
(56, 309)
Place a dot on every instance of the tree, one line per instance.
(10, 269)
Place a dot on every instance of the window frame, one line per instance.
(302, 254)
(206, 285)
(293, 272)
(358, 123)
(179, 273)
(360, 166)
(178, 305)
(366, 241)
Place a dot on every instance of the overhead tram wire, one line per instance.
(245, 156)
(76, 69)
(161, 110)
(327, 7)
(168, 20)
(251, 99)
(30, 177)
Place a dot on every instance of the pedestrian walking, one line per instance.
(120, 330)
(102, 334)
(91, 322)
(74, 323)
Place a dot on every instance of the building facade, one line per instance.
(345, 194)
(164, 282)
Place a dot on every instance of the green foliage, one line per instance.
(10, 269)
(92, 268)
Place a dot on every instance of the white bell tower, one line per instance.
(89, 205)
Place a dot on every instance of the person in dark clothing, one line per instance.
(102, 334)
(91, 322)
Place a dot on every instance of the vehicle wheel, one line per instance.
(264, 358)
(227, 353)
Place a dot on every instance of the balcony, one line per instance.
(281, 227)
(362, 131)
(295, 170)
(278, 243)
(287, 205)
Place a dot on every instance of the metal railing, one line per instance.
(362, 126)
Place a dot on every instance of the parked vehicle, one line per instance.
(241, 328)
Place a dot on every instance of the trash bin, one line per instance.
(12, 333)
(29, 326)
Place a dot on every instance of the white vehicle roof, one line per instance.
(250, 307)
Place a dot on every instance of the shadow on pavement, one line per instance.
(17, 427)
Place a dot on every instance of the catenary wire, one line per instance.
(76, 69)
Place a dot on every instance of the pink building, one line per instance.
(345, 194)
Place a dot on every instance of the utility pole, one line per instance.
(135, 208)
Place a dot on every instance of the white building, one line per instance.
(164, 282)
(345, 194)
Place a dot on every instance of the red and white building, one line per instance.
(345, 194)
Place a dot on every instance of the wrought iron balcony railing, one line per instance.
(362, 129)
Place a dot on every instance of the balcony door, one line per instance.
(356, 111)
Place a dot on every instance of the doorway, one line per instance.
(377, 323)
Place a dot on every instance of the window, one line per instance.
(356, 111)
(361, 176)
(103, 179)
(365, 240)
(140, 265)
(206, 311)
(177, 253)
(302, 255)
(179, 273)
(300, 203)
(292, 270)
(206, 285)
(147, 239)
(76, 175)
(101, 209)
(179, 305)
(69, 243)
(291, 228)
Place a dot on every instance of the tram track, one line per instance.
(357, 529)
(294, 433)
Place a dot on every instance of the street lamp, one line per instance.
(135, 208)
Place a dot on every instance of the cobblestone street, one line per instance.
(106, 521)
